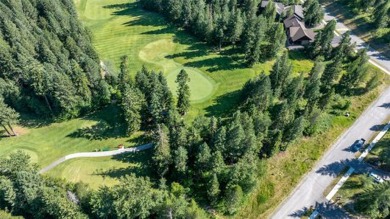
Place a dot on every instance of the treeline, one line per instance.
(380, 10)
(227, 22)
(23, 191)
(48, 64)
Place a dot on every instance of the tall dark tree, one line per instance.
(8, 118)
(183, 92)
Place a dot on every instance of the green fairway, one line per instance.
(48, 143)
(103, 171)
(121, 27)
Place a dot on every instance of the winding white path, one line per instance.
(95, 154)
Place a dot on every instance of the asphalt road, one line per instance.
(310, 190)
(376, 58)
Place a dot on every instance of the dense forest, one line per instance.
(48, 64)
(227, 22)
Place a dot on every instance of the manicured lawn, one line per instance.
(103, 171)
(47, 143)
(121, 27)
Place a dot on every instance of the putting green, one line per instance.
(201, 86)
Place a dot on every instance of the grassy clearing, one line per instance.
(360, 24)
(286, 169)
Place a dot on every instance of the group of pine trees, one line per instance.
(147, 101)
(380, 10)
(23, 191)
(48, 64)
(227, 22)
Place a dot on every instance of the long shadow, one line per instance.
(108, 125)
(334, 169)
(378, 127)
(225, 60)
(141, 165)
(224, 104)
(385, 105)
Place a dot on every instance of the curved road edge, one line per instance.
(95, 154)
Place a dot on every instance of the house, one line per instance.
(296, 10)
(297, 33)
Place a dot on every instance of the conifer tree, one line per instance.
(183, 92)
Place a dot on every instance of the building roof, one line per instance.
(291, 21)
(279, 6)
(297, 29)
(297, 11)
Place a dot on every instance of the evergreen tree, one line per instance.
(355, 73)
(381, 15)
(375, 202)
(162, 153)
(8, 118)
(183, 92)
(280, 72)
(180, 159)
(213, 189)
(313, 13)
(132, 103)
(233, 199)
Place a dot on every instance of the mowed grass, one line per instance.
(121, 27)
(103, 171)
(47, 143)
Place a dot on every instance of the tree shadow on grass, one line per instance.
(108, 125)
(224, 104)
(140, 165)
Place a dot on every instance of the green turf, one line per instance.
(103, 171)
(121, 27)
(48, 143)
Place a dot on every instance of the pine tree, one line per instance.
(331, 74)
(8, 118)
(213, 189)
(132, 103)
(279, 74)
(270, 10)
(183, 92)
(162, 154)
(313, 13)
(355, 73)
(233, 199)
(180, 159)
(381, 15)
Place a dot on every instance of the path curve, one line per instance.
(95, 154)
